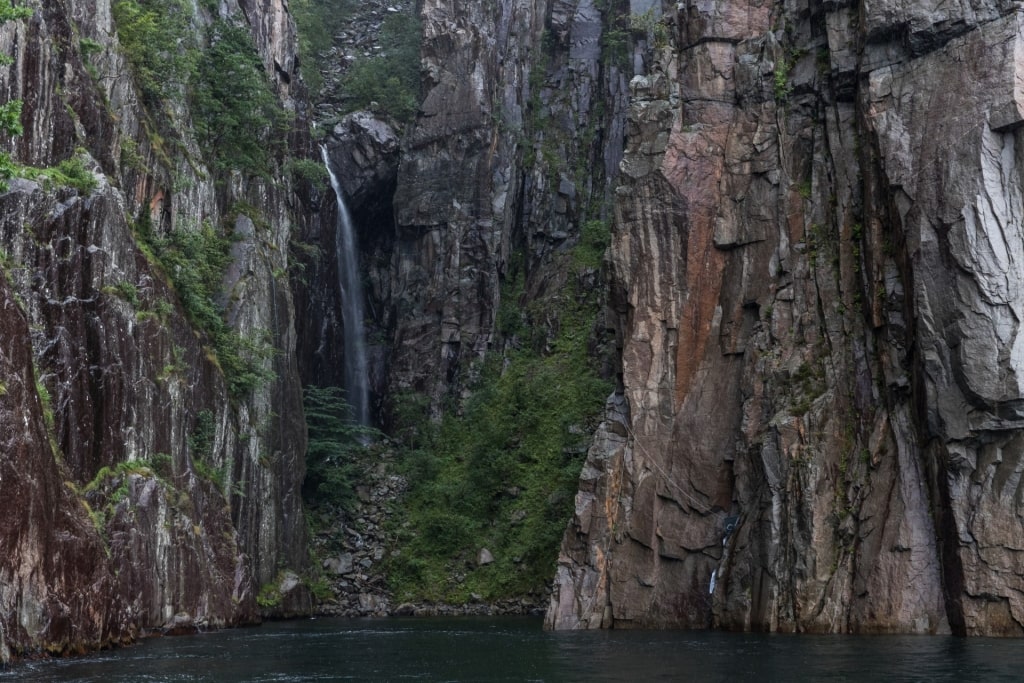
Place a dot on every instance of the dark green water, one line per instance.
(497, 649)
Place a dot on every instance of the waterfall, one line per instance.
(351, 291)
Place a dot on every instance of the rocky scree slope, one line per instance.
(145, 481)
(816, 281)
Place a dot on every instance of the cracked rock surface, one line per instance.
(817, 277)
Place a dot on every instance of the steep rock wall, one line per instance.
(52, 552)
(815, 284)
(144, 526)
(517, 138)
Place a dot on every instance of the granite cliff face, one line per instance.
(815, 278)
(517, 137)
(514, 146)
(138, 490)
(812, 286)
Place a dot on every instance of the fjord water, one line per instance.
(483, 649)
(350, 290)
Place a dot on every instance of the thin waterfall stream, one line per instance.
(350, 288)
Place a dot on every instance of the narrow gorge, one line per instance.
(705, 311)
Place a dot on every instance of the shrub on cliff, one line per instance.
(155, 38)
(195, 260)
(71, 172)
(236, 113)
(10, 125)
(10, 112)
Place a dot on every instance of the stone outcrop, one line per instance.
(116, 520)
(816, 293)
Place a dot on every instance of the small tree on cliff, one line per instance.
(10, 112)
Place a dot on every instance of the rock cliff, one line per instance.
(812, 287)
(817, 226)
(148, 479)
(517, 137)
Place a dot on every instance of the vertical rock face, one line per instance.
(519, 130)
(455, 186)
(133, 488)
(817, 229)
(52, 552)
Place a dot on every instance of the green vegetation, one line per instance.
(595, 238)
(10, 125)
(89, 47)
(235, 112)
(200, 444)
(318, 22)
(68, 173)
(47, 404)
(781, 78)
(269, 596)
(155, 39)
(12, 13)
(101, 496)
(615, 47)
(310, 171)
(392, 79)
(334, 443)
(241, 126)
(319, 587)
(804, 189)
(124, 290)
(10, 112)
(162, 465)
(130, 157)
(502, 474)
(10, 117)
(49, 421)
(195, 262)
(650, 26)
(200, 441)
(217, 477)
(623, 29)
(804, 386)
(118, 474)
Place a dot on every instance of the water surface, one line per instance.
(516, 649)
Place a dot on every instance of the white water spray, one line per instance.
(351, 291)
